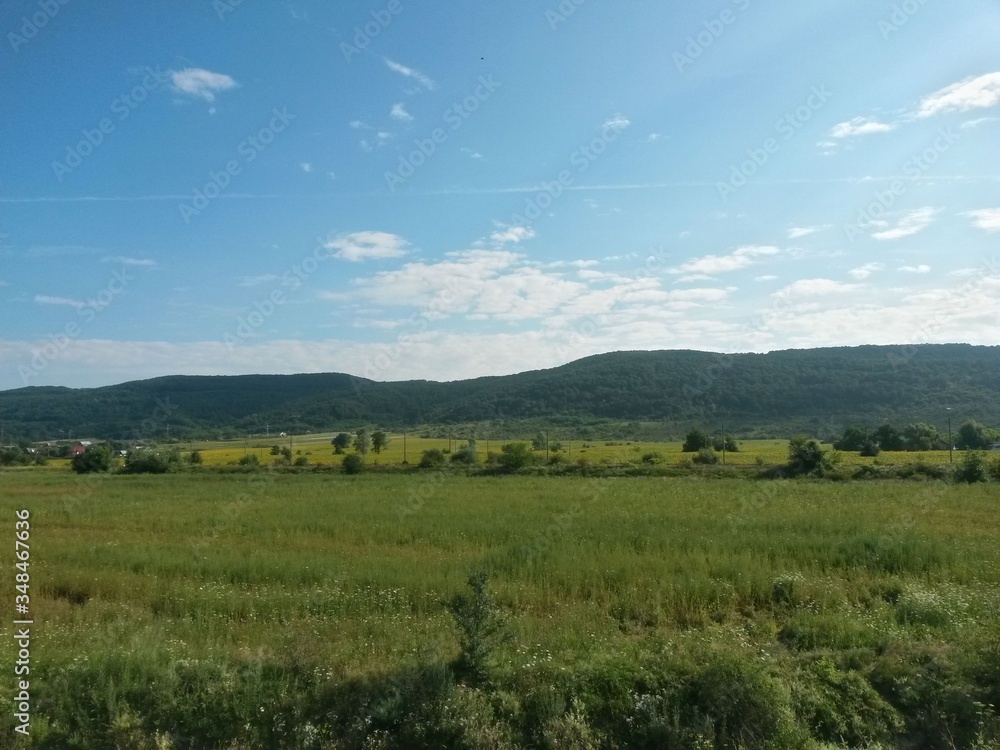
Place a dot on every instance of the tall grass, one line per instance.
(662, 611)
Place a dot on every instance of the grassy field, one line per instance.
(261, 610)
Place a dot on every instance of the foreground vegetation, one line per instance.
(324, 610)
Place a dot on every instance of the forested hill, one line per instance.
(818, 390)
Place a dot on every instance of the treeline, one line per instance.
(971, 435)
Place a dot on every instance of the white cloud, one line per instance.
(814, 288)
(863, 272)
(742, 257)
(987, 219)
(916, 269)
(912, 223)
(797, 232)
(470, 153)
(399, 113)
(44, 299)
(654, 137)
(972, 93)
(514, 234)
(765, 278)
(138, 262)
(413, 73)
(306, 167)
(859, 126)
(200, 83)
(361, 246)
(617, 122)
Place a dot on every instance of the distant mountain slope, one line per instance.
(812, 389)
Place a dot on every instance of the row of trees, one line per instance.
(914, 437)
(361, 441)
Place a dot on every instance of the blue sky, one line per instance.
(398, 190)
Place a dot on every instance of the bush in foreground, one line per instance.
(353, 463)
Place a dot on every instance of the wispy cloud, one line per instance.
(125, 261)
(863, 272)
(797, 232)
(361, 246)
(912, 223)
(987, 219)
(200, 83)
(972, 93)
(916, 269)
(399, 112)
(413, 73)
(264, 278)
(740, 258)
(306, 167)
(44, 299)
(859, 126)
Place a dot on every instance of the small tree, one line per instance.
(379, 441)
(353, 463)
(972, 436)
(514, 456)
(275, 450)
(695, 441)
(341, 443)
(888, 437)
(539, 441)
(853, 439)
(96, 458)
(806, 456)
(973, 469)
(482, 628)
(729, 444)
(361, 442)
(195, 458)
(250, 459)
(870, 448)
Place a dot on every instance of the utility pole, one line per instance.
(723, 442)
(951, 444)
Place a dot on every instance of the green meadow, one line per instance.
(318, 610)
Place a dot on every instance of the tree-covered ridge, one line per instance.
(819, 391)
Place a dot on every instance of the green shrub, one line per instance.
(353, 463)
(706, 456)
(516, 456)
(432, 459)
(249, 460)
(146, 461)
(653, 458)
(96, 458)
